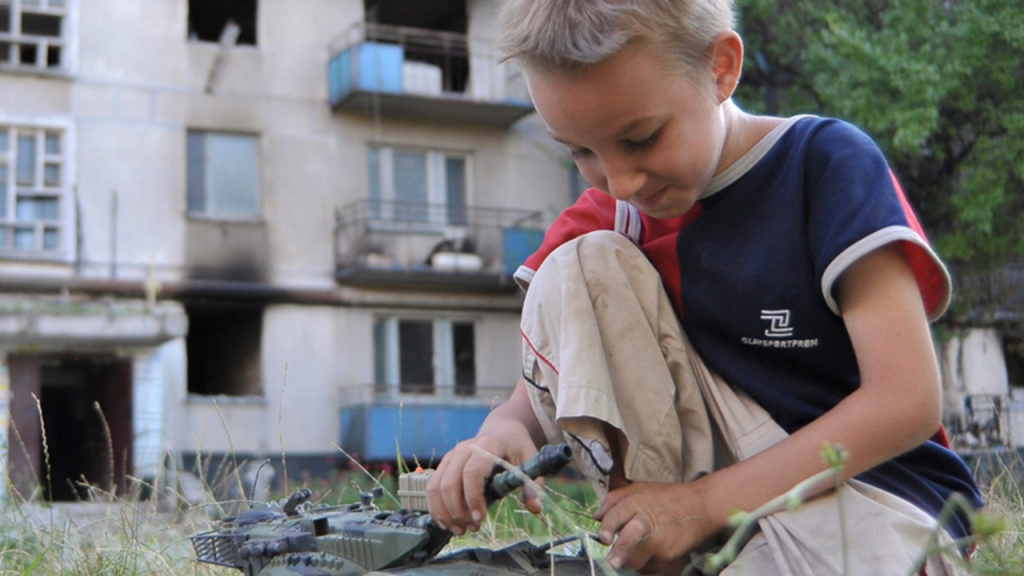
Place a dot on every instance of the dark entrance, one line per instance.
(86, 405)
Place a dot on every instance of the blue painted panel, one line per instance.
(380, 67)
(520, 244)
(426, 432)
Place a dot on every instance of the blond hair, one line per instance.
(577, 33)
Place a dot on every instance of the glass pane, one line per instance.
(3, 191)
(5, 52)
(56, 3)
(30, 2)
(373, 192)
(51, 174)
(27, 54)
(30, 209)
(465, 358)
(52, 143)
(5, 17)
(196, 195)
(40, 24)
(3, 140)
(26, 160)
(5, 237)
(380, 353)
(411, 186)
(416, 355)
(455, 189)
(51, 239)
(25, 238)
(47, 208)
(53, 56)
(231, 174)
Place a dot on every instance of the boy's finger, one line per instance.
(614, 521)
(473, 477)
(533, 495)
(626, 550)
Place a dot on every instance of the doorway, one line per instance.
(85, 403)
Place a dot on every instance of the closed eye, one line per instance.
(579, 153)
(643, 144)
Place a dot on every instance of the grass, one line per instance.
(113, 535)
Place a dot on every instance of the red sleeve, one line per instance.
(594, 210)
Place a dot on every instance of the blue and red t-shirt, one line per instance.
(752, 267)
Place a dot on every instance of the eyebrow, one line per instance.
(623, 131)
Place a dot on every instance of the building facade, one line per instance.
(257, 228)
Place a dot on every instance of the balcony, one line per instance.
(423, 74)
(433, 246)
(378, 420)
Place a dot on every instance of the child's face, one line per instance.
(637, 126)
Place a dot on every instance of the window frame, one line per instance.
(444, 361)
(67, 41)
(437, 188)
(257, 217)
(64, 193)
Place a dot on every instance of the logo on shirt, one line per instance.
(779, 332)
(779, 323)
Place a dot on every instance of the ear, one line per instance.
(726, 63)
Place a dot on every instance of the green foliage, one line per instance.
(937, 83)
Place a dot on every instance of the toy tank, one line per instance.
(360, 539)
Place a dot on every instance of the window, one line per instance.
(417, 186)
(31, 189)
(32, 33)
(421, 355)
(223, 175)
(223, 347)
(207, 19)
(1013, 352)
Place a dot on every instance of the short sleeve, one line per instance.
(594, 210)
(855, 205)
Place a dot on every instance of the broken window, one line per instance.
(422, 355)
(436, 56)
(32, 33)
(208, 20)
(223, 347)
(223, 175)
(32, 186)
(1013, 351)
(417, 186)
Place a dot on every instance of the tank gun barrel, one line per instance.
(549, 460)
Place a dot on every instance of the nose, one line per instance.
(623, 179)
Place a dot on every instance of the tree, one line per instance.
(939, 84)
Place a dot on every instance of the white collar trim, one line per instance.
(752, 157)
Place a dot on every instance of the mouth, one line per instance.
(651, 200)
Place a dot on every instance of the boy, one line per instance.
(791, 261)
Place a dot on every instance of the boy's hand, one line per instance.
(455, 493)
(654, 523)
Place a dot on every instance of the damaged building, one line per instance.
(256, 228)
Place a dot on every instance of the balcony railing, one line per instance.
(433, 246)
(427, 74)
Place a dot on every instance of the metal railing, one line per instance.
(983, 422)
(392, 235)
(437, 63)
